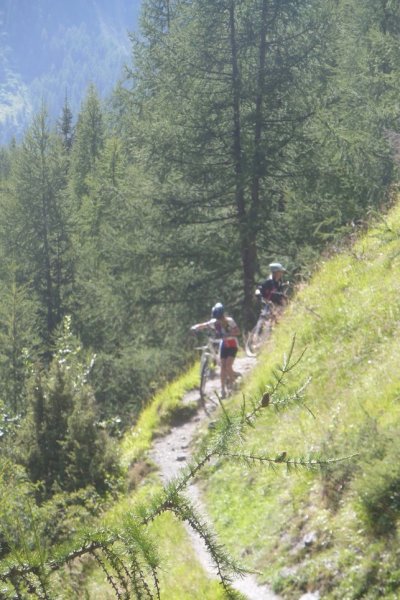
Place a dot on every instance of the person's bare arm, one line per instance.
(233, 328)
(200, 326)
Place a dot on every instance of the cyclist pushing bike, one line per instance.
(226, 330)
(273, 288)
(273, 298)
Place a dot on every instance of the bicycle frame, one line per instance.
(209, 360)
(261, 331)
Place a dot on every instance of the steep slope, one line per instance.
(171, 451)
(329, 532)
(333, 531)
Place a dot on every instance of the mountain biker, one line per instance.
(273, 288)
(227, 331)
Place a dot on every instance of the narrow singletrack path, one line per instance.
(172, 452)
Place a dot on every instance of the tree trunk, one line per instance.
(247, 242)
(258, 123)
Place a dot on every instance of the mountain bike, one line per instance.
(209, 360)
(262, 330)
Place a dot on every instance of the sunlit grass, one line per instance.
(347, 323)
(181, 577)
(157, 415)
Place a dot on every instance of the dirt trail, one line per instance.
(171, 453)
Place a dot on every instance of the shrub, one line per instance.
(61, 443)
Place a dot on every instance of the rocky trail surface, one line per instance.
(173, 451)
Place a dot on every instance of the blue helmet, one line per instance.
(217, 311)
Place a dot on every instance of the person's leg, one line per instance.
(229, 374)
(223, 376)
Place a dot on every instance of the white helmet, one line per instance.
(275, 266)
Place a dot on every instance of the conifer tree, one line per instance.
(18, 344)
(63, 447)
(37, 223)
(346, 163)
(65, 125)
(218, 89)
(127, 553)
(88, 142)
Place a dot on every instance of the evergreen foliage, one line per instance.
(128, 555)
(62, 445)
(35, 235)
(244, 131)
(217, 88)
(89, 141)
(65, 126)
(18, 340)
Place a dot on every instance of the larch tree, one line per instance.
(223, 95)
(88, 143)
(19, 342)
(36, 223)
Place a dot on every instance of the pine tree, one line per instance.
(218, 90)
(37, 223)
(62, 445)
(126, 553)
(65, 125)
(347, 165)
(18, 344)
(88, 143)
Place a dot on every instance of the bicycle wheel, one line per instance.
(205, 374)
(257, 337)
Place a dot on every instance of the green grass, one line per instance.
(180, 577)
(347, 322)
(334, 530)
(156, 417)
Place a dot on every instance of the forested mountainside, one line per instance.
(52, 49)
(244, 132)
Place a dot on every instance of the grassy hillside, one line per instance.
(334, 530)
(181, 577)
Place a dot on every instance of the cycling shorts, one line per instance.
(226, 352)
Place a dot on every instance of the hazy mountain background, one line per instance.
(50, 48)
